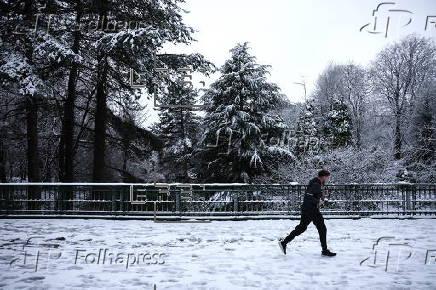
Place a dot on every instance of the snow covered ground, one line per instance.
(216, 255)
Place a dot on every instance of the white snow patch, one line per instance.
(216, 255)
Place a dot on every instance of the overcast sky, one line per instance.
(300, 38)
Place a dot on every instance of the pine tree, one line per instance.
(178, 127)
(339, 130)
(238, 117)
(31, 61)
(137, 48)
(307, 135)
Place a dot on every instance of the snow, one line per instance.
(216, 255)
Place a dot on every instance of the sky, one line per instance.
(299, 39)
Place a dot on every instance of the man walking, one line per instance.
(313, 199)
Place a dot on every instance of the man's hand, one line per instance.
(325, 193)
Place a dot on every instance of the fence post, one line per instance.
(410, 190)
(114, 200)
(235, 202)
(405, 197)
(178, 201)
(59, 198)
(413, 198)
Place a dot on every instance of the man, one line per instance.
(313, 199)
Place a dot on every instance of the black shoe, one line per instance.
(282, 246)
(328, 253)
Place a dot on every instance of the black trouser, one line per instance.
(306, 217)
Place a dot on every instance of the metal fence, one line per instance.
(211, 199)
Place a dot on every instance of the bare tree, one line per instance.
(328, 88)
(355, 92)
(397, 74)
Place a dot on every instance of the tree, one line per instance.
(424, 127)
(136, 48)
(30, 64)
(355, 90)
(238, 119)
(66, 143)
(178, 127)
(340, 125)
(307, 135)
(343, 88)
(328, 89)
(398, 73)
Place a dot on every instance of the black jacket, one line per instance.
(313, 195)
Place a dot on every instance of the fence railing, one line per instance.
(211, 199)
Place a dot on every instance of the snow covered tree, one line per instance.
(424, 127)
(339, 99)
(137, 48)
(307, 136)
(31, 63)
(79, 74)
(178, 127)
(397, 74)
(355, 88)
(339, 128)
(238, 120)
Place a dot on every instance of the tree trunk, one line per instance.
(33, 171)
(99, 167)
(66, 150)
(2, 161)
(398, 139)
(358, 134)
(125, 157)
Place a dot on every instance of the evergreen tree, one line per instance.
(339, 128)
(307, 136)
(238, 117)
(31, 60)
(178, 128)
(114, 51)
